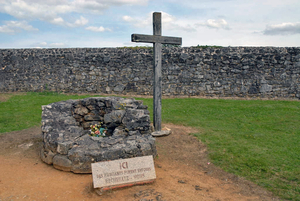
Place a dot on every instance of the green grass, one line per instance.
(24, 111)
(207, 46)
(257, 140)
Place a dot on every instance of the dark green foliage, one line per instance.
(206, 46)
(136, 47)
(170, 45)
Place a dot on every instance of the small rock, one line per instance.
(47, 157)
(93, 118)
(265, 88)
(197, 188)
(115, 116)
(63, 147)
(81, 110)
(62, 162)
(119, 132)
(161, 133)
(25, 146)
(107, 89)
(119, 88)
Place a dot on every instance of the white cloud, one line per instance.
(16, 26)
(98, 6)
(169, 22)
(97, 29)
(22, 25)
(81, 22)
(46, 45)
(138, 22)
(172, 23)
(127, 18)
(6, 29)
(51, 10)
(215, 24)
(29, 10)
(57, 45)
(58, 21)
(40, 9)
(283, 29)
(92, 6)
(167, 18)
(43, 44)
(277, 3)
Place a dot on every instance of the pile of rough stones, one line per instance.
(68, 145)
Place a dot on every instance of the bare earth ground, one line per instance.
(182, 168)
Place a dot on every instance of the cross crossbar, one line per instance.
(156, 39)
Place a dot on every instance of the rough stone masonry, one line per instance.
(67, 143)
(259, 72)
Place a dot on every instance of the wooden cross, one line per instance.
(157, 40)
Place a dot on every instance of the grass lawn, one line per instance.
(258, 140)
(24, 111)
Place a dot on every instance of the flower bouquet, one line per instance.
(97, 131)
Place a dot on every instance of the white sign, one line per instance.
(123, 171)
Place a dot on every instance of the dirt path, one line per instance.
(182, 168)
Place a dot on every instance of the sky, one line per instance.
(110, 23)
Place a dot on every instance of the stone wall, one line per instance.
(263, 72)
(69, 146)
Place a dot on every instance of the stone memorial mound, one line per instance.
(66, 130)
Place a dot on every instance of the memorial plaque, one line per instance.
(123, 172)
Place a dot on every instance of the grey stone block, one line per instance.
(62, 162)
(81, 110)
(47, 157)
(265, 88)
(114, 117)
(119, 88)
(63, 147)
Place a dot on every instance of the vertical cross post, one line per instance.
(157, 41)
(157, 73)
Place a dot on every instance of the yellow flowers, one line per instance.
(122, 106)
